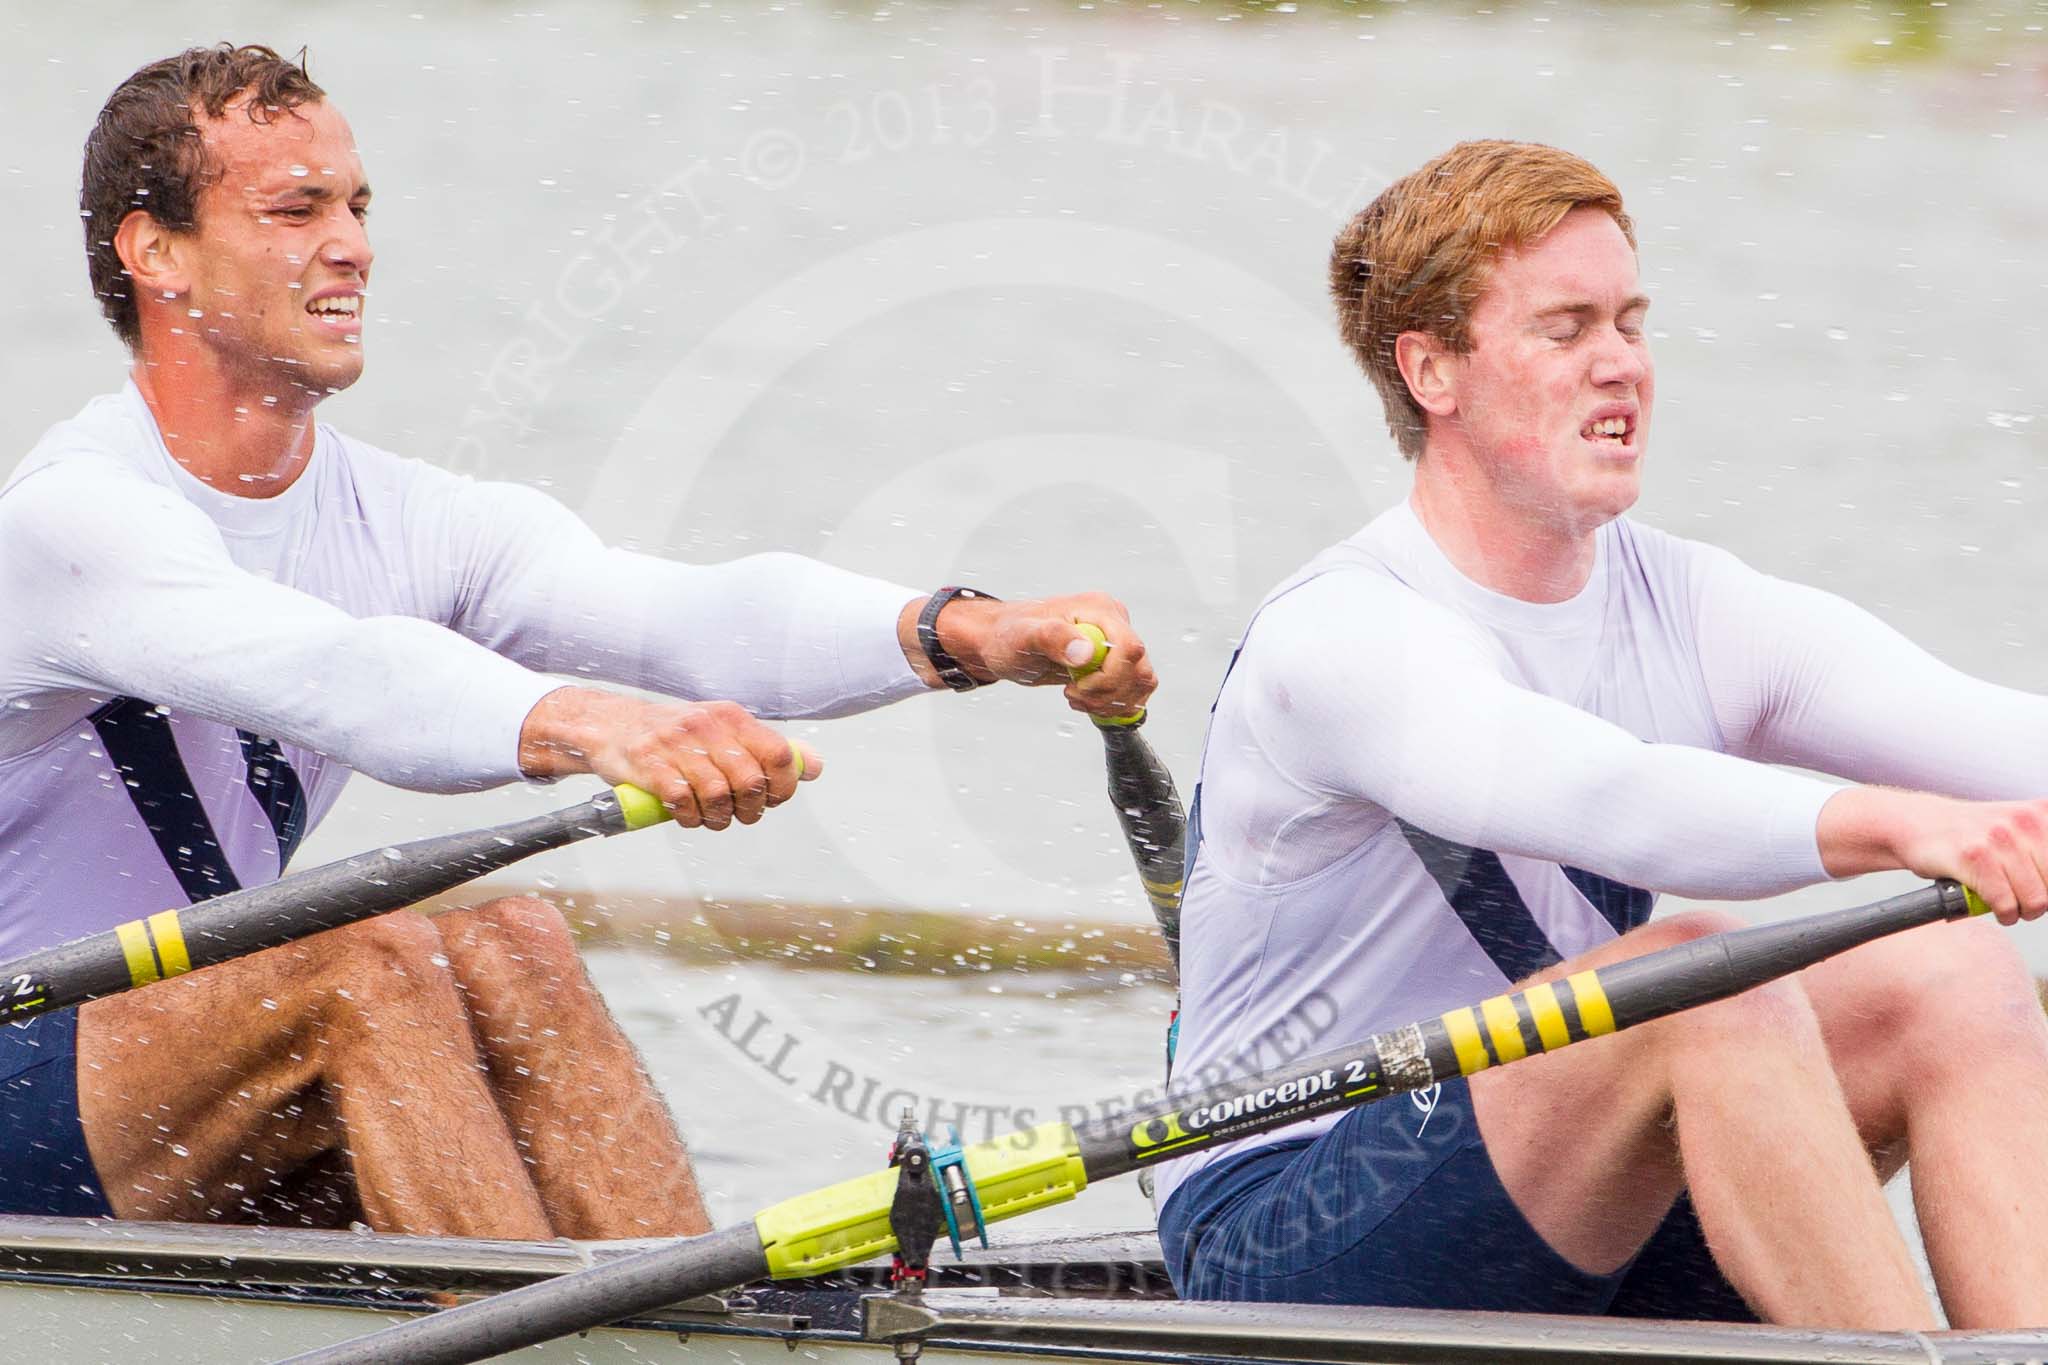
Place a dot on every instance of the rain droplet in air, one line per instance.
(300, 171)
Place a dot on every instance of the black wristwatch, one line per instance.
(948, 668)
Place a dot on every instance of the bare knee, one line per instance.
(1774, 1016)
(402, 944)
(519, 943)
(1668, 931)
(1950, 996)
(384, 972)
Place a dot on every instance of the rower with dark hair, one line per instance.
(1467, 746)
(217, 608)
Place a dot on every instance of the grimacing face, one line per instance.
(1556, 391)
(283, 259)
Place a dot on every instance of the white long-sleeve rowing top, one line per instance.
(1416, 791)
(187, 677)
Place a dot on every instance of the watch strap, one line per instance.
(945, 665)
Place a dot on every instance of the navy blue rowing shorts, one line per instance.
(1398, 1206)
(44, 1165)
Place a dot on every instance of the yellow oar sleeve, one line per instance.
(847, 1223)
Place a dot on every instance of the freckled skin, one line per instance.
(1506, 484)
(1533, 378)
(1859, 1055)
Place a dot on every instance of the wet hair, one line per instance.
(1417, 257)
(145, 151)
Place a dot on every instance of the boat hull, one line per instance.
(94, 1289)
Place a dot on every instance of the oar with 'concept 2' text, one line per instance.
(850, 1222)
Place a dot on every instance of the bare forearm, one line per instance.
(963, 628)
(565, 728)
(1868, 829)
(1035, 643)
(1998, 849)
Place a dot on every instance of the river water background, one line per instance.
(1032, 298)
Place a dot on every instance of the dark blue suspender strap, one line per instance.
(144, 751)
(275, 785)
(1486, 901)
(140, 745)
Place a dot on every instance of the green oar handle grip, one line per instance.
(640, 808)
(1101, 643)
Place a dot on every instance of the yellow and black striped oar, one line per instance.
(173, 942)
(1147, 806)
(850, 1222)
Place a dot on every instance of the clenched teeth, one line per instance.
(1612, 426)
(340, 305)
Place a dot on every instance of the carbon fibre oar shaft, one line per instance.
(1148, 807)
(847, 1223)
(1507, 1028)
(173, 942)
(716, 1261)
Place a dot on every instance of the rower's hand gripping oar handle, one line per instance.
(1101, 643)
(640, 808)
(1147, 804)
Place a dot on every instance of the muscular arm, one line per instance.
(112, 585)
(1414, 715)
(782, 635)
(1800, 676)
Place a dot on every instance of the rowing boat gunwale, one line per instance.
(1101, 1296)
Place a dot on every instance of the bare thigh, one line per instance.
(203, 1098)
(1585, 1140)
(1907, 1014)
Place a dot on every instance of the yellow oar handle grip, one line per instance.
(1975, 902)
(1101, 642)
(642, 808)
